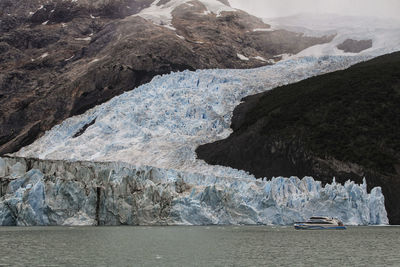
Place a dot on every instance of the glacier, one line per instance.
(161, 123)
(48, 192)
(132, 160)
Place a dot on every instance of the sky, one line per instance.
(280, 8)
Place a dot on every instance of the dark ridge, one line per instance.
(343, 124)
(84, 128)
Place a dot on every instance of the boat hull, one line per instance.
(319, 227)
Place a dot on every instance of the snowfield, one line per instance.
(161, 14)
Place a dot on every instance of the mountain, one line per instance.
(61, 58)
(342, 124)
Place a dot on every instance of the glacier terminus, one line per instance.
(48, 192)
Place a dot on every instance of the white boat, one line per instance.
(320, 223)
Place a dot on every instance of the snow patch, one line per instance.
(263, 30)
(260, 58)
(169, 27)
(242, 57)
(84, 39)
(68, 59)
(162, 14)
(44, 55)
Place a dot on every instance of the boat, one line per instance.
(320, 223)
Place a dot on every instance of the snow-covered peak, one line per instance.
(160, 11)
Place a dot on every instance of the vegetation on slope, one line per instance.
(352, 115)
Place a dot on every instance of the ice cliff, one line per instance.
(45, 192)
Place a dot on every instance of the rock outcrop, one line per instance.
(60, 58)
(355, 46)
(44, 192)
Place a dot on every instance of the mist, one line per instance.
(281, 8)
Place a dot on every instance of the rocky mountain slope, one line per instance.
(60, 58)
(343, 124)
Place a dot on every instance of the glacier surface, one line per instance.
(44, 192)
(162, 123)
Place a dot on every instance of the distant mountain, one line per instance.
(353, 34)
(343, 124)
(60, 58)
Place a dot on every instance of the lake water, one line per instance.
(198, 246)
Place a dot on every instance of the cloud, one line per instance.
(279, 8)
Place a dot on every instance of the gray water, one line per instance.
(198, 246)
